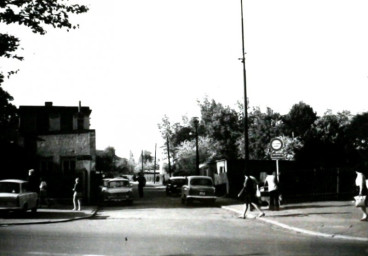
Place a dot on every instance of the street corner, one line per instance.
(45, 215)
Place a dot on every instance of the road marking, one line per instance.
(62, 254)
(304, 231)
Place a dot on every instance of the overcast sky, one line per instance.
(132, 62)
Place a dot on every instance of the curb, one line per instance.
(300, 230)
(93, 214)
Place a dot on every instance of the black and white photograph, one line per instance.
(183, 127)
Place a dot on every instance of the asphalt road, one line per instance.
(160, 225)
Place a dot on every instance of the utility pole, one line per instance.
(196, 122)
(142, 162)
(168, 153)
(154, 167)
(246, 136)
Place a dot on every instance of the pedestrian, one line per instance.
(77, 195)
(360, 182)
(43, 193)
(33, 181)
(249, 193)
(273, 190)
(141, 183)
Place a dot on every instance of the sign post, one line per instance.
(277, 153)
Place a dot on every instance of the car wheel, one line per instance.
(34, 210)
(182, 200)
(130, 202)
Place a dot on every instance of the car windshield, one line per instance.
(9, 187)
(201, 182)
(118, 184)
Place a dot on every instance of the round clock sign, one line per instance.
(276, 144)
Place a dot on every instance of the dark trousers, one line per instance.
(140, 191)
(274, 200)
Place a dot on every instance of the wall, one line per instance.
(65, 145)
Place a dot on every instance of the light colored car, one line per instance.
(117, 190)
(198, 188)
(15, 196)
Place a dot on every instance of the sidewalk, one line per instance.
(54, 214)
(331, 219)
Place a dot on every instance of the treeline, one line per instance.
(331, 140)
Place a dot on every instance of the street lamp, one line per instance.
(196, 122)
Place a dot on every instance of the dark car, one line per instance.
(174, 185)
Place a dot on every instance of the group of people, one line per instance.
(40, 187)
(250, 193)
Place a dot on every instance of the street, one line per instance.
(161, 225)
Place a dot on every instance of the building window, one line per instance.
(68, 165)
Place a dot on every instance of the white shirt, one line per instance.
(271, 182)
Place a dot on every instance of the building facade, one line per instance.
(61, 146)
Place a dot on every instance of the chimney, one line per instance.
(79, 107)
(48, 104)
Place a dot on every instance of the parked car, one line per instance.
(174, 184)
(117, 190)
(198, 188)
(15, 196)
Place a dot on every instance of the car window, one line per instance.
(201, 182)
(25, 187)
(179, 181)
(9, 187)
(118, 184)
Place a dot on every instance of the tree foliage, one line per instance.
(36, 15)
(299, 120)
(330, 140)
(358, 139)
(8, 117)
(222, 125)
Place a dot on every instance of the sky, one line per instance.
(133, 62)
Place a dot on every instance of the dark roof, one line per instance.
(53, 109)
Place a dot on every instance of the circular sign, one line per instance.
(276, 144)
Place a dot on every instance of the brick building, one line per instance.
(61, 145)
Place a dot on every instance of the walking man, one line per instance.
(141, 184)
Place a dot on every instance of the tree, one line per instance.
(186, 153)
(148, 161)
(222, 125)
(299, 120)
(8, 118)
(166, 131)
(358, 140)
(262, 128)
(35, 15)
(106, 161)
(324, 144)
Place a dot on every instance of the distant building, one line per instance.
(61, 145)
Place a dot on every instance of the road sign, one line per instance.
(278, 155)
(277, 144)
